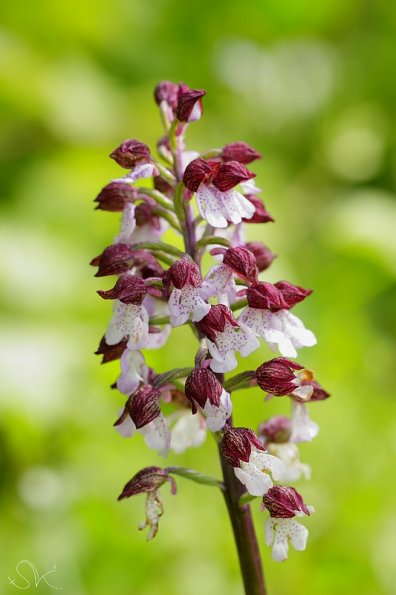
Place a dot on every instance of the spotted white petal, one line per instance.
(237, 206)
(128, 225)
(303, 429)
(157, 435)
(279, 329)
(133, 371)
(249, 187)
(186, 303)
(219, 282)
(289, 454)
(187, 431)
(142, 170)
(216, 417)
(256, 482)
(129, 320)
(210, 205)
(233, 339)
(219, 208)
(280, 531)
(259, 321)
(255, 474)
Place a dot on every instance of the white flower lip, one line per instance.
(282, 330)
(129, 320)
(278, 533)
(227, 343)
(218, 208)
(255, 474)
(187, 303)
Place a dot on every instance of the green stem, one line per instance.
(160, 247)
(160, 198)
(238, 305)
(170, 218)
(244, 533)
(212, 240)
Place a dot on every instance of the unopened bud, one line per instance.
(236, 445)
(264, 256)
(114, 260)
(129, 289)
(201, 385)
(239, 151)
(283, 502)
(115, 196)
(147, 480)
(130, 153)
(242, 262)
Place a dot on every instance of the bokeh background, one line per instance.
(310, 85)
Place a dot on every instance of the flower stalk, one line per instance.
(243, 530)
(229, 309)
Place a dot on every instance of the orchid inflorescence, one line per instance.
(229, 309)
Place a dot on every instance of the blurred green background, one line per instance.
(311, 86)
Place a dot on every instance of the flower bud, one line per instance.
(264, 256)
(114, 196)
(198, 171)
(147, 480)
(189, 104)
(129, 289)
(111, 352)
(239, 151)
(182, 272)
(260, 214)
(276, 429)
(242, 262)
(292, 294)
(231, 174)
(115, 259)
(265, 296)
(236, 445)
(168, 92)
(278, 376)
(201, 385)
(283, 502)
(215, 321)
(223, 176)
(130, 153)
(143, 407)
